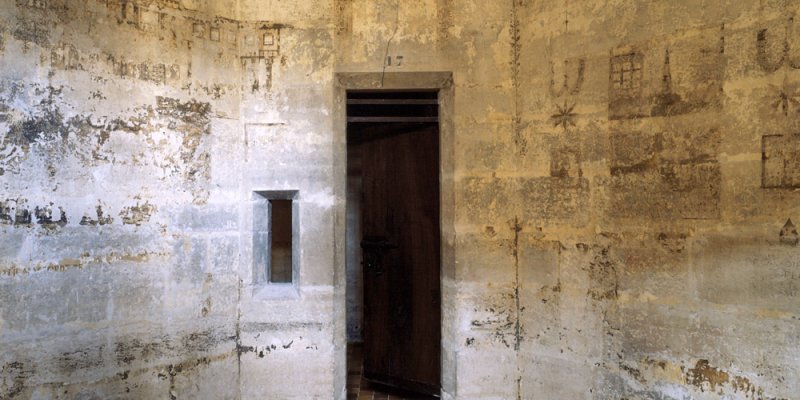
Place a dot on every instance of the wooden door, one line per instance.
(401, 253)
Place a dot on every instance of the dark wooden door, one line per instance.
(401, 253)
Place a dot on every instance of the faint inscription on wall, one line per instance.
(41, 4)
(343, 11)
(260, 49)
(667, 76)
(625, 85)
(775, 47)
(572, 78)
(670, 174)
(780, 161)
(788, 234)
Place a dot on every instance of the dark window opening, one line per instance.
(274, 237)
(280, 263)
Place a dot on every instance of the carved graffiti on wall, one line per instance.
(625, 85)
(343, 11)
(564, 115)
(30, 32)
(163, 18)
(568, 85)
(689, 78)
(572, 82)
(199, 29)
(784, 100)
(673, 190)
(145, 71)
(626, 73)
(129, 13)
(789, 234)
(694, 187)
(669, 174)
(667, 102)
(780, 160)
(149, 20)
(168, 3)
(65, 56)
(774, 47)
(258, 72)
(145, 15)
(181, 154)
(444, 16)
(40, 4)
(565, 162)
(15, 212)
(261, 40)
(260, 49)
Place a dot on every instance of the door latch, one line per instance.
(374, 248)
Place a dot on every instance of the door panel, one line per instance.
(401, 252)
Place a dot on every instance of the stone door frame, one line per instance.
(443, 82)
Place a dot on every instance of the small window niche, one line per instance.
(275, 237)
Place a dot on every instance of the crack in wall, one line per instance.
(520, 142)
(517, 228)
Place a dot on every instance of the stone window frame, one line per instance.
(261, 250)
(442, 81)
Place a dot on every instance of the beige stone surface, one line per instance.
(617, 180)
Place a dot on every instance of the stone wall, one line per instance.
(623, 174)
(132, 137)
(622, 178)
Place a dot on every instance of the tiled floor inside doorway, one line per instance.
(359, 388)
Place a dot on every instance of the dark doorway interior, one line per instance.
(394, 237)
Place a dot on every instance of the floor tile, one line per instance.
(359, 388)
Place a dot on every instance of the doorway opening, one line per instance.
(393, 241)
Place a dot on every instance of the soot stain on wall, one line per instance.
(29, 31)
(58, 137)
(101, 218)
(13, 379)
(498, 317)
(45, 216)
(137, 214)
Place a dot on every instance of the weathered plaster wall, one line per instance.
(296, 334)
(617, 233)
(132, 134)
(622, 174)
(677, 274)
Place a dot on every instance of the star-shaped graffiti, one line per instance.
(564, 116)
(785, 100)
